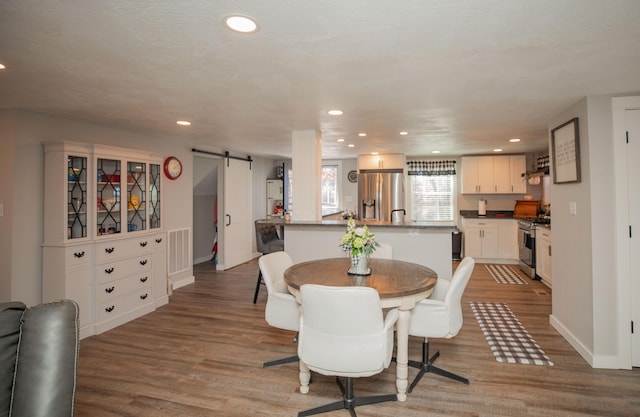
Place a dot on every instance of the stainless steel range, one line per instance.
(527, 246)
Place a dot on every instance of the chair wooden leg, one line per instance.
(255, 296)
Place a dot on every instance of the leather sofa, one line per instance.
(38, 359)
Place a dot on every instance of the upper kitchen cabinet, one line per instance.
(493, 174)
(385, 161)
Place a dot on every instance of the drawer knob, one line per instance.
(109, 309)
(143, 263)
(144, 296)
(143, 244)
(109, 270)
(78, 254)
(109, 290)
(144, 279)
(109, 250)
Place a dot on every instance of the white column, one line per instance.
(307, 174)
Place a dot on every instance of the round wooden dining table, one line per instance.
(400, 285)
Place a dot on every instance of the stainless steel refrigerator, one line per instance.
(381, 195)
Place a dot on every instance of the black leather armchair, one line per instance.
(38, 359)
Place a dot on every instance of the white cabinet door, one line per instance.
(508, 239)
(502, 174)
(385, 161)
(518, 165)
(469, 175)
(473, 242)
(543, 255)
(481, 238)
(486, 180)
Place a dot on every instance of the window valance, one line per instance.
(431, 167)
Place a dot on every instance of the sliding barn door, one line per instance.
(237, 224)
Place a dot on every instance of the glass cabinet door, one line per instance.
(154, 196)
(108, 195)
(136, 196)
(76, 197)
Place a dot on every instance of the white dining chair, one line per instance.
(440, 316)
(343, 333)
(282, 310)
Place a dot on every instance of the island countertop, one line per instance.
(440, 226)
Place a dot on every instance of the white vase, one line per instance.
(359, 265)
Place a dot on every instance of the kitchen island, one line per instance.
(424, 243)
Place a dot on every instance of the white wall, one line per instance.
(25, 183)
(584, 306)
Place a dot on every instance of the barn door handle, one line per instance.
(229, 216)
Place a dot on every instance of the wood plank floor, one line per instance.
(202, 355)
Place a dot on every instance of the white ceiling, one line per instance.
(461, 76)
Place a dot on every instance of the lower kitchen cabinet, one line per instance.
(493, 240)
(543, 254)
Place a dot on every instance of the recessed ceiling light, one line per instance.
(514, 140)
(183, 123)
(2, 67)
(351, 145)
(335, 112)
(497, 150)
(403, 133)
(340, 140)
(242, 24)
(374, 153)
(435, 151)
(362, 134)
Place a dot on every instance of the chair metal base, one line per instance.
(348, 402)
(260, 281)
(288, 359)
(427, 366)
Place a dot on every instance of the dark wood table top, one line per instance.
(391, 278)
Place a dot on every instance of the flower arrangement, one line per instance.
(358, 240)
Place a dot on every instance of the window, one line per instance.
(432, 197)
(330, 192)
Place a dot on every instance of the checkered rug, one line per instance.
(504, 274)
(508, 340)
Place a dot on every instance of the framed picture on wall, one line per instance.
(565, 148)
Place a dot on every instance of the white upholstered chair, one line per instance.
(282, 309)
(440, 316)
(343, 333)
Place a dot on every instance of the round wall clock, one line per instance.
(172, 167)
(352, 176)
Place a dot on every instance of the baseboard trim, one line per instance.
(573, 341)
(183, 282)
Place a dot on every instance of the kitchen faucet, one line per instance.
(404, 213)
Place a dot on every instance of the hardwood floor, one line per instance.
(202, 355)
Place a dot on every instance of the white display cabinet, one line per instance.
(101, 198)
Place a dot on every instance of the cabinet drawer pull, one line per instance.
(109, 270)
(144, 279)
(143, 263)
(109, 290)
(78, 254)
(143, 244)
(109, 309)
(159, 240)
(109, 250)
(144, 296)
